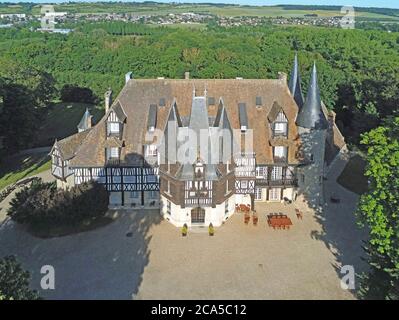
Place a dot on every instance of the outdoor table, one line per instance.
(279, 222)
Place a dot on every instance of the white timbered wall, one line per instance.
(116, 179)
(198, 193)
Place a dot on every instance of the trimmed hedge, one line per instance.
(43, 203)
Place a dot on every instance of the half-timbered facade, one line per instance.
(248, 146)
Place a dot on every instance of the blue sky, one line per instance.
(359, 3)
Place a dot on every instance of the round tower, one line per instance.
(312, 128)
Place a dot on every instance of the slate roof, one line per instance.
(138, 94)
(85, 122)
(311, 115)
(69, 146)
(295, 83)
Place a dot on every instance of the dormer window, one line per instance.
(113, 129)
(112, 153)
(115, 120)
(280, 125)
(242, 112)
(151, 150)
(152, 118)
(280, 153)
(199, 169)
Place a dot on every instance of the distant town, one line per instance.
(18, 19)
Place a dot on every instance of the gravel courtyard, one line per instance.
(140, 256)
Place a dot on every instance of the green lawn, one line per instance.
(62, 120)
(17, 167)
(352, 177)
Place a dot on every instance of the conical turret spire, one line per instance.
(85, 122)
(311, 115)
(295, 83)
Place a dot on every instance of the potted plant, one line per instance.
(184, 230)
(211, 230)
(246, 218)
(255, 219)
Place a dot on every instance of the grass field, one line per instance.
(62, 120)
(222, 10)
(17, 167)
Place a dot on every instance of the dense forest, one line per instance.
(358, 75)
(357, 68)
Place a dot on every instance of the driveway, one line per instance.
(140, 256)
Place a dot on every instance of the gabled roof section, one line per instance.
(199, 115)
(70, 145)
(222, 120)
(113, 142)
(274, 111)
(85, 122)
(120, 113)
(295, 84)
(311, 115)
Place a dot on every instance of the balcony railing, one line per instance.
(195, 202)
(280, 159)
(278, 182)
(113, 162)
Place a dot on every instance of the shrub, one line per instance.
(43, 203)
(14, 281)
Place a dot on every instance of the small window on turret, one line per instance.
(258, 101)
(162, 102)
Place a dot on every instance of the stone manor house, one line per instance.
(270, 144)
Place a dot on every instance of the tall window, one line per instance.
(280, 153)
(258, 193)
(261, 172)
(226, 207)
(277, 173)
(113, 153)
(113, 128)
(134, 194)
(274, 194)
(280, 126)
(151, 150)
(168, 207)
(153, 194)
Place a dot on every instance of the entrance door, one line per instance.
(198, 215)
(274, 194)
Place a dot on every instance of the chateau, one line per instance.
(194, 148)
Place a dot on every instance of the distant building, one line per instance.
(13, 15)
(293, 138)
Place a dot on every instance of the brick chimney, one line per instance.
(282, 76)
(108, 99)
(128, 76)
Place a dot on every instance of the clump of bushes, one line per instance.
(14, 281)
(42, 203)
